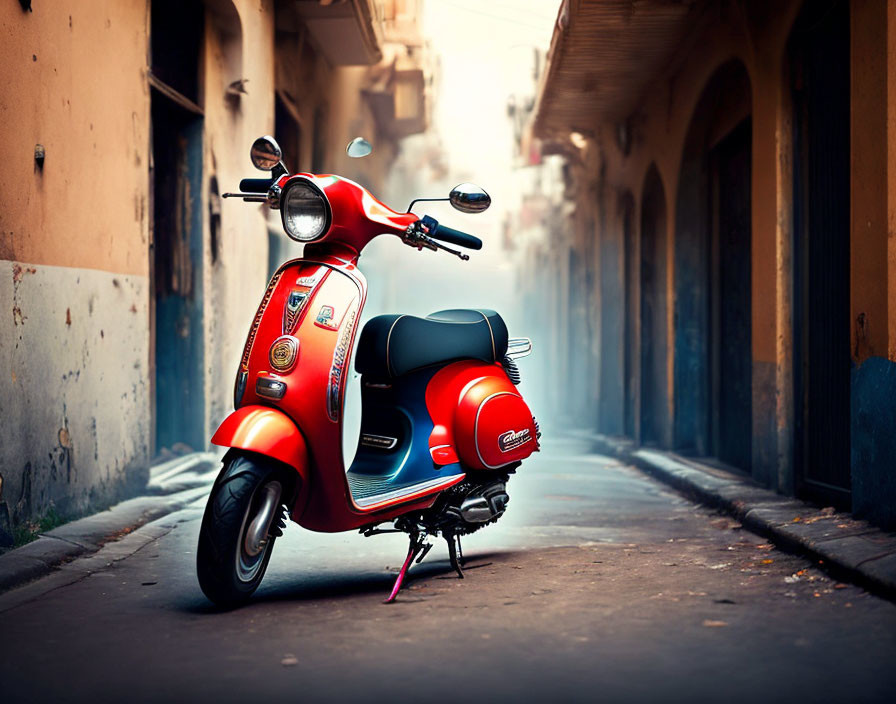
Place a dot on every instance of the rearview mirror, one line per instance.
(358, 147)
(265, 153)
(469, 198)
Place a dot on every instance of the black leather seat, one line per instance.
(392, 345)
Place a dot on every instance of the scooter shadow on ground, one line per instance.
(337, 585)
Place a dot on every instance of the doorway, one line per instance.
(630, 312)
(177, 226)
(713, 298)
(820, 66)
(732, 359)
(653, 310)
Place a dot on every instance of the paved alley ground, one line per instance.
(598, 585)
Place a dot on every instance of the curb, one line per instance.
(852, 550)
(173, 486)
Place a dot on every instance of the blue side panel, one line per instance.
(397, 412)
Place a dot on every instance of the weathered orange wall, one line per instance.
(73, 81)
(891, 179)
(868, 186)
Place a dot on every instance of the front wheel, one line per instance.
(241, 521)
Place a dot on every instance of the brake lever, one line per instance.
(456, 253)
(415, 238)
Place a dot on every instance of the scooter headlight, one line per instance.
(305, 211)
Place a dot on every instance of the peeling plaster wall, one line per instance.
(74, 265)
(73, 384)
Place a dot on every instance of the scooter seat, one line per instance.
(392, 345)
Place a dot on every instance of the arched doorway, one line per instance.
(653, 385)
(713, 351)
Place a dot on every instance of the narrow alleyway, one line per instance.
(599, 584)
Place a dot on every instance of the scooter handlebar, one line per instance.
(449, 234)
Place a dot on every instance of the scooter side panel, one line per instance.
(479, 416)
(393, 450)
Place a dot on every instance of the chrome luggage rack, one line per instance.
(519, 347)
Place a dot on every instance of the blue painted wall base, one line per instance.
(873, 451)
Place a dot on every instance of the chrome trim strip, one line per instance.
(406, 491)
(380, 442)
(490, 333)
(388, 339)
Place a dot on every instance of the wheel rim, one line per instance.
(254, 542)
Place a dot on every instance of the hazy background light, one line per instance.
(485, 55)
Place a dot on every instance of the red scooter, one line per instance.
(443, 425)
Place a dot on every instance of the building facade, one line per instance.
(732, 183)
(128, 281)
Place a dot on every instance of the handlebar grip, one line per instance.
(255, 185)
(449, 234)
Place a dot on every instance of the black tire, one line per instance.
(228, 574)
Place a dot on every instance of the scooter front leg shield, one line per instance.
(268, 432)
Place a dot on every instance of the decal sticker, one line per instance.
(337, 369)
(513, 439)
(295, 304)
(312, 280)
(250, 340)
(326, 318)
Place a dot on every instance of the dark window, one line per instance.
(176, 39)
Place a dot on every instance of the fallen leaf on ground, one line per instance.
(714, 624)
(839, 585)
(767, 562)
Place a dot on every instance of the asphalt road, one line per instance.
(597, 585)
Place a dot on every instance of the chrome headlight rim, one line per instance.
(284, 209)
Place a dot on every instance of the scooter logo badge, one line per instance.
(295, 302)
(513, 439)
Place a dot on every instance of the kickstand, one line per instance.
(416, 546)
(452, 553)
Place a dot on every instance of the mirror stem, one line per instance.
(420, 200)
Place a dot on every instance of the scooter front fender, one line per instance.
(268, 432)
